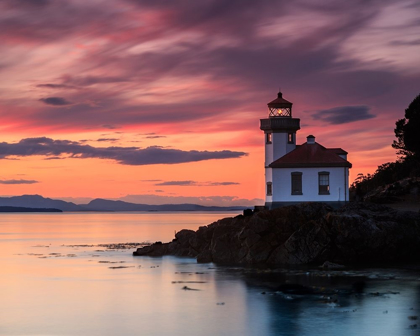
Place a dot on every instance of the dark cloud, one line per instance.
(56, 86)
(56, 101)
(177, 183)
(195, 183)
(123, 155)
(107, 139)
(223, 183)
(18, 181)
(343, 114)
(405, 43)
(91, 80)
(53, 158)
(155, 136)
(30, 3)
(100, 140)
(108, 126)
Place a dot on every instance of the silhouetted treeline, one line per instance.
(408, 146)
(386, 173)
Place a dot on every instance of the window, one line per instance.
(268, 138)
(269, 189)
(290, 138)
(324, 183)
(296, 183)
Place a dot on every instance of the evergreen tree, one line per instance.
(407, 131)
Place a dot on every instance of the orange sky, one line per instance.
(156, 103)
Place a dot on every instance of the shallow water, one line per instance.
(50, 286)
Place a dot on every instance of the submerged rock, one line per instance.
(330, 265)
(309, 233)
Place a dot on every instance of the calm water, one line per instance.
(49, 286)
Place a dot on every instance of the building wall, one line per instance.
(282, 185)
(278, 147)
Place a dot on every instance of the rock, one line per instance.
(394, 192)
(155, 250)
(190, 289)
(330, 265)
(309, 233)
(296, 289)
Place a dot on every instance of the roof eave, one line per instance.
(310, 165)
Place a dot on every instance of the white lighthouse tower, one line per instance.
(280, 136)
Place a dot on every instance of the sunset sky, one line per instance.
(159, 101)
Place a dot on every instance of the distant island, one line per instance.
(24, 209)
(39, 202)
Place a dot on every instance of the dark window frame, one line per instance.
(269, 188)
(268, 138)
(290, 138)
(324, 183)
(296, 183)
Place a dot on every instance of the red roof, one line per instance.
(312, 155)
(338, 151)
(280, 102)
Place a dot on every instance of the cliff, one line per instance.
(309, 233)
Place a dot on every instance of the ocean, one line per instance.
(61, 274)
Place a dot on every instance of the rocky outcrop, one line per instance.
(303, 234)
(395, 192)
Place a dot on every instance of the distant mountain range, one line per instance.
(37, 201)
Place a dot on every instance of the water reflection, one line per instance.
(50, 286)
(382, 307)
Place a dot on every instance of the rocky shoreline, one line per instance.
(309, 233)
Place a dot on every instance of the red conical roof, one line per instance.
(280, 102)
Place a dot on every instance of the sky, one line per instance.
(159, 101)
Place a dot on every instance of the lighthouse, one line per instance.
(295, 173)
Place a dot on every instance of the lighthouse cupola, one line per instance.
(280, 107)
(279, 129)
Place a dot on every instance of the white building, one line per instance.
(300, 173)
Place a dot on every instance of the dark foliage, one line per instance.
(407, 131)
(386, 173)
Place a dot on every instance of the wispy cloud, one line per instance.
(202, 200)
(107, 139)
(56, 86)
(223, 183)
(56, 101)
(18, 181)
(123, 155)
(177, 183)
(194, 183)
(343, 114)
